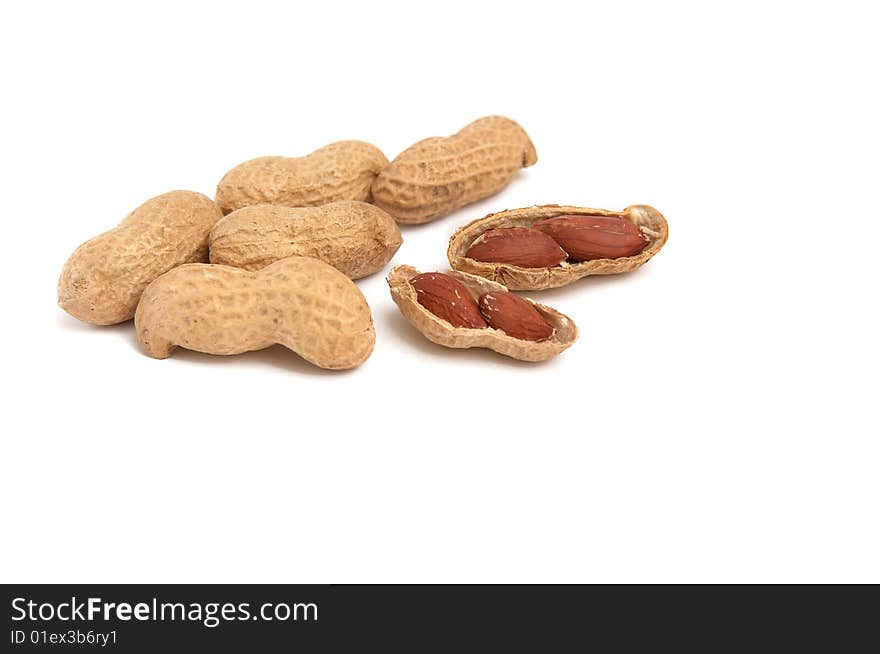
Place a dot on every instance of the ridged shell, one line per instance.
(650, 221)
(438, 175)
(339, 171)
(103, 279)
(357, 238)
(441, 332)
(304, 304)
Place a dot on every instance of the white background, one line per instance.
(716, 422)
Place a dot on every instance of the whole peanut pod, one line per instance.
(304, 304)
(438, 175)
(103, 279)
(339, 171)
(353, 237)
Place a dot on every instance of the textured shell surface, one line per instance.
(103, 279)
(650, 222)
(439, 175)
(441, 332)
(340, 171)
(354, 237)
(301, 303)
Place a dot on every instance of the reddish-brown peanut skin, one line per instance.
(439, 331)
(514, 316)
(648, 220)
(447, 298)
(586, 238)
(517, 246)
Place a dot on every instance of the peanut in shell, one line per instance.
(103, 279)
(443, 333)
(449, 299)
(519, 246)
(514, 316)
(438, 175)
(650, 222)
(304, 304)
(354, 237)
(340, 171)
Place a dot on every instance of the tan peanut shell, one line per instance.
(443, 333)
(103, 279)
(438, 175)
(649, 221)
(339, 171)
(304, 304)
(353, 237)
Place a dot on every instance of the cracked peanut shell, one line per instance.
(301, 303)
(438, 175)
(439, 331)
(340, 171)
(103, 279)
(650, 222)
(356, 238)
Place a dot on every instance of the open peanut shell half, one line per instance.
(444, 333)
(650, 222)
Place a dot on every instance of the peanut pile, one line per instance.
(272, 258)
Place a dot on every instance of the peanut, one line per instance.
(514, 316)
(353, 237)
(517, 246)
(644, 236)
(439, 175)
(432, 319)
(447, 298)
(304, 304)
(586, 238)
(339, 171)
(103, 279)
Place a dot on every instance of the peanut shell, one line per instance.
(353, 237)
(438, 175)
(304, 304)
(339, 171)
(103, 279)
(441, 332)
(649, 221)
